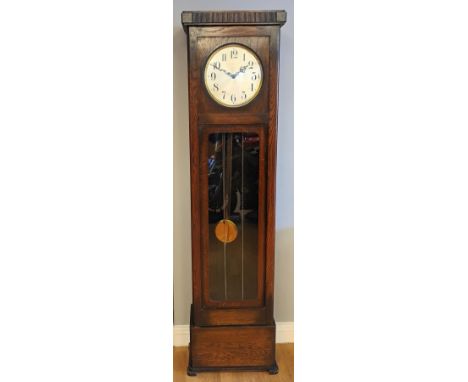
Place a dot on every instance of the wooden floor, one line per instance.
(284, 358)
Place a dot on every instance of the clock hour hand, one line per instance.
(242, 70)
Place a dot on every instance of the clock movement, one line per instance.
(233, 61)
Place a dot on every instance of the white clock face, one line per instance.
(233, 75)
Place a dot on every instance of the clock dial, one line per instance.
(233, 75)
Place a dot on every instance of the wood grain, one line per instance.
(284, 358)
(210, 18)
(232, 346)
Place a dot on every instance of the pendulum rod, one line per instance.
(223, 150)
(242, 213)
(227, 205)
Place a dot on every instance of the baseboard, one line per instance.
(181, 335)
(284, 333)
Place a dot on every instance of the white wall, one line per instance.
(284, 293)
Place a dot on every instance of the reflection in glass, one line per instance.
(233, 171)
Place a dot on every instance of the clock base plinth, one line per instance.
(193, 371)
(230, 348)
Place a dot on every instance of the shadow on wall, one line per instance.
(182, 271)
(284, 287)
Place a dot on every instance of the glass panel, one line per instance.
(233, 170)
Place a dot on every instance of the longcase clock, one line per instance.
(233, 60)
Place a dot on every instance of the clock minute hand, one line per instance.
(224, 70)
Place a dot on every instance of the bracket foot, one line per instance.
(274, 369)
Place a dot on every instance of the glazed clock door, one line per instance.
(233, 213)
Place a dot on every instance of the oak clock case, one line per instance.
(233, 59)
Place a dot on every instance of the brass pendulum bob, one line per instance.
(226, 231)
